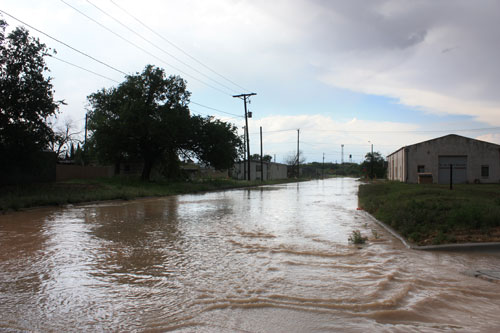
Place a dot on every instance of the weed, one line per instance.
(357, 238)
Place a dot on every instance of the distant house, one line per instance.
(270, 170)
(469, 160)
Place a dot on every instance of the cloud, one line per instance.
(440, 57)
(437, 57)
(322, 134)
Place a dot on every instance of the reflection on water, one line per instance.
(270, 259)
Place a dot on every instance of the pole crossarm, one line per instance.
(244, 95)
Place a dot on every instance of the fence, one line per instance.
(67, 172)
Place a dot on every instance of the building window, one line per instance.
(421, 168)
(485, 171)
(258, 167)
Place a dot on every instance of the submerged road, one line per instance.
(269, 259)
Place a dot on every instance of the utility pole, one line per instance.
(245, 97)
(323, 167)
(298, 154)
(371, 162)
(244, 152)
(342, 156)
(261, 162)
(85, 140)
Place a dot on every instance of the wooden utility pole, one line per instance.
(323, 167)
(85, 140)
(298, 154)
(261, 162)
(372, 162)
(244, 152)
(245, 97)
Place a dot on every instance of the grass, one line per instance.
(77, 191)
(434, 214)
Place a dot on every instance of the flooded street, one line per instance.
(270, 259)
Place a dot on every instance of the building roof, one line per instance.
(442, 137)
(264, 162)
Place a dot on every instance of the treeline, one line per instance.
(374, 166)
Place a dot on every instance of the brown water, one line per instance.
(272, 259)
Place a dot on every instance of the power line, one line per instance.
(214, 109)
(382, 132)
(63, 43)
(175, 46)
(415, 131)
(349, 144)
(209, 115)
(100, 75)
(141, 48)
(82, 68)
(202, 105)
(157, 47)
(276, 131)
(96, 60)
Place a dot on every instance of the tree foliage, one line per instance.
(147, 118)
(26, 95)
(265, 158)
(374, 165)
(319, 169)
(215, 142)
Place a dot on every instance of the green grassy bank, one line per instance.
(34, 195)
(434, 214)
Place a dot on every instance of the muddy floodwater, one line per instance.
(270, 259)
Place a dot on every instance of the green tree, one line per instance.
(374, 165)
(26, 98)
(265, 158)
(147, 118)
(215, 142)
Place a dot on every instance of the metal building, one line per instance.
(451, 157)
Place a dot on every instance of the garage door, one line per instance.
(459, 164)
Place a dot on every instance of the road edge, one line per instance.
(445, 247)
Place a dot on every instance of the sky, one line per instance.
(386, 73)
